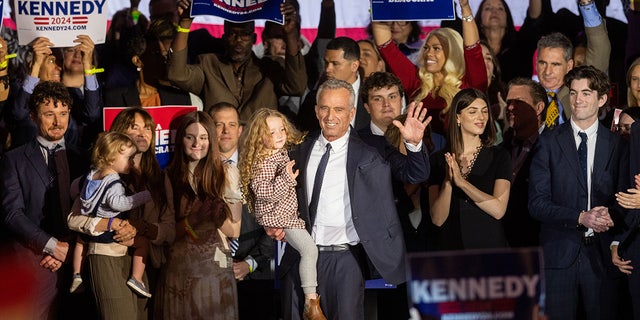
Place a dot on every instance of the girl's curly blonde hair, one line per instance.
(253, 149)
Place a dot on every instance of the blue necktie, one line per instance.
(582, 155)
(317, 183)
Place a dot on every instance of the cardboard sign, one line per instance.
(239, 10)
(165, 135)
(476, 284)
(412, 10)
(61, 20)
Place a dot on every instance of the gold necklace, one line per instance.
(471, 163)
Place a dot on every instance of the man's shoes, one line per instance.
(312, 310)
(138, 287)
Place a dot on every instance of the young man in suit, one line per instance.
(575, 172)
(34, 191)
(346, 199)
(342, 62)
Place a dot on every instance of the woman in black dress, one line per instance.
(469, 183)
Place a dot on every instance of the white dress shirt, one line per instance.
(592, 135)
(333, 223)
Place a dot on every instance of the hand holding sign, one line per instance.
(86, 46)
(184, 9)
(41, 51)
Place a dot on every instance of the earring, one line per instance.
(458, 123)
(138, 69)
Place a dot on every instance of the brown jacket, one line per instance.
(264, 80)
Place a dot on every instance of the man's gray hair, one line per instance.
(333, 84)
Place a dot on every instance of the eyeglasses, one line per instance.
(398, 23)
(239, 35)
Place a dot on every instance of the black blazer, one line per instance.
(558, 193)
(23, 183)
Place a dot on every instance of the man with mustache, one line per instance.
(34, 194)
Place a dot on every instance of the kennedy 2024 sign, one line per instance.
(61, 20)
(477, 284)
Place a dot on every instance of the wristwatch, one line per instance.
(468, 18)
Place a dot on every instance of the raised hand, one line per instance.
(184, 9)
(85, 46)
(413, 128)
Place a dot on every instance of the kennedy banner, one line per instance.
(61, 20)
(165, 132)
(239, 10)
(394, 10)
(476, 284)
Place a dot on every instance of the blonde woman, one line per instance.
(447, 63)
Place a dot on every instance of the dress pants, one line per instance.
(581, 279)
(340, 286)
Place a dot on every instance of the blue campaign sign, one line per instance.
(239, 10)
(396, 10)
(477, 284)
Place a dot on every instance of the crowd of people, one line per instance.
(475, 135)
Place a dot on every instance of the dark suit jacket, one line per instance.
(23, 183)
(373, 211)
(130, 97)
(557, 192)
(519, 227)
(307, 120)
(413, 168)
(629, 247)
(254, 242)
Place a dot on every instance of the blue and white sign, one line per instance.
(477, 284)
(61, 20)
(239, 10)
(410, 10)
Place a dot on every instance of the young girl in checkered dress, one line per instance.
(268, 182)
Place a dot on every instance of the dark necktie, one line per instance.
(582, 155)
(51, 164)
(553, 112)
(317, 183)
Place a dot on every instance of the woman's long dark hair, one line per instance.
(209, 172)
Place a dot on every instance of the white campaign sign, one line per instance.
(61, 20)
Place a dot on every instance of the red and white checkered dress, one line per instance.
(276, 204)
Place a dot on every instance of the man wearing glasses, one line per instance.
(237, 76)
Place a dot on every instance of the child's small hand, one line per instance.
(289, 168)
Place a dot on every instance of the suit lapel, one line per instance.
(603, 152)
(304, 152)
(353, 152)
(567, 143)
(36, 160)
